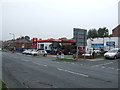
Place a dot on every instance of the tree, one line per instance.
(92, 33)
(110, 35)
(27, 37)
(103, 32)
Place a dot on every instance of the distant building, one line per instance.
(103, 43)
(19, 44)
(54, 45)
(107, 42)
(116, 31)
(23, 43)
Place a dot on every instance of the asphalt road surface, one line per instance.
(24, 71)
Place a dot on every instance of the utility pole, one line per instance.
(80, 38)
(77, 47)
(13, 40)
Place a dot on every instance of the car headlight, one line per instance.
(104, 54)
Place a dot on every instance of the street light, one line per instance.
(103, 40)
(13, 40)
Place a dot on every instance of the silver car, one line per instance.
(113, 53)
(27, 52)
(39, 52)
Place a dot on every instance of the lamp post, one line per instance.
(13, 40)
(103, 41)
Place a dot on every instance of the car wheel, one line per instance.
(35, 55)
(115, 57)
(105, 58)
(44, 55)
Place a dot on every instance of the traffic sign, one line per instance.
(80, 36)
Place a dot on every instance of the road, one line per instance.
(21, 71)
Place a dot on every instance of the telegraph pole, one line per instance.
(13, 40)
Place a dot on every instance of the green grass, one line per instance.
(65, 59)
(4, 50)
(2, 85)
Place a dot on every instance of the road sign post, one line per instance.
(80, 37)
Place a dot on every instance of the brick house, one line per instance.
(23, 43)
(116, 31)
(19, 44)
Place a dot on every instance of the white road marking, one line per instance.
(40, 64)
(25, 60)
(117, 69)
(73, 72)
(103, 67)
(95, 60)
(37, 63)
(102, 64)
(66, 62)
(45, 65)
(16, 57)
(110, 67)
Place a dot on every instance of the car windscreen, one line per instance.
(113, 51)
(88, 52)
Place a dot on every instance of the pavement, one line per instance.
(25, 71)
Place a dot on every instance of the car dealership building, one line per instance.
(106, 43)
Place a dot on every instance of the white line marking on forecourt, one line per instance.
(73, 72)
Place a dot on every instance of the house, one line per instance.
(116, 31)
(20, 44)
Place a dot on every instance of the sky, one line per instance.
(55, 18)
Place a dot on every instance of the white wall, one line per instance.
(45, 45)
(100, 41)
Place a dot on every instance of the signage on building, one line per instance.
(66, 44)
(97, 45)
(110, 43)
(80, 36)
(35, 39)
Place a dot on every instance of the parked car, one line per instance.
(97, 51)
(39, 52)
(27, 52)
(88, 54)
(24, 52)
(113, 53)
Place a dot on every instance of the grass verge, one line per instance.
(4, 50)
(0, 85)
(3, 85)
